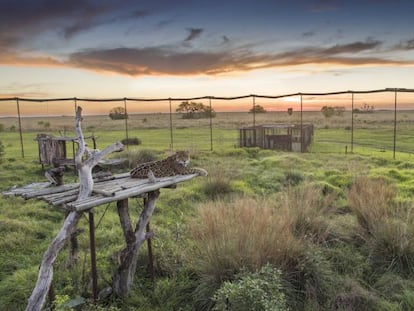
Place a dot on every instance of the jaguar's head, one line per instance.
(182, 157)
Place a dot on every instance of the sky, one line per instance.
(184, 48)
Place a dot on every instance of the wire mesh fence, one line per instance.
(348, 121)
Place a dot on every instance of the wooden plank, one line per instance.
(91, 202)
(18, 191)
(50, 190)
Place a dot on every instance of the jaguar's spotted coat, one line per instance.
(171, 166)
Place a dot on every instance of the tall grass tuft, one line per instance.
(386, 226)
(242, 233)
(307, 209)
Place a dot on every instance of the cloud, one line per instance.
(406, 45)
(11, 58)
(167, 61)
(308, 34)
(149, 61)
(193, 34)
(23, 20)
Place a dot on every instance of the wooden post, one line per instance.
(20, 127)
(124, 276)
(150, 254)
(93, 257)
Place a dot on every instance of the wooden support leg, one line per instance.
(124, 276)
(93, 257)
(150, 254)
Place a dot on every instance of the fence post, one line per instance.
(352, 123)
(171, 129)
(254, 121)
(211, 125)
(20, 126)
(395, 122)
(301, 124)
(126, 122)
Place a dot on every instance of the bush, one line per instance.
(259, 290)
(217, 187)
(131, 141)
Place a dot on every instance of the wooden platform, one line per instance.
(106, 190)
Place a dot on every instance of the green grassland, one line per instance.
(266, 230)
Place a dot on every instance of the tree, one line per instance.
(327, 111)
(193, 110)
(118, 113)
(258, 109)
(290, 111)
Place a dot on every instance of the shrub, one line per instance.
(131, 141)
(217, 187)
(293, 178)
(1, 127)
(259, 290)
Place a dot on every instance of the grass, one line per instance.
(386, 226)
(337, 226)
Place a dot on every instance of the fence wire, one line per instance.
(360, 119)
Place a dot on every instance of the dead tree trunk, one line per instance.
(45, 276)
(124, 276)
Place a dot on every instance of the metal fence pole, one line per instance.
(395, 122)
(171, 129)
(254, 121)
(126, 122)
(20, 127)
(352, 123)
(211, 126)
(301, 124)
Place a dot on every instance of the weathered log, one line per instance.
(45, 276)
(124, 276)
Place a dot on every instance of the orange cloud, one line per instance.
(166, 61)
